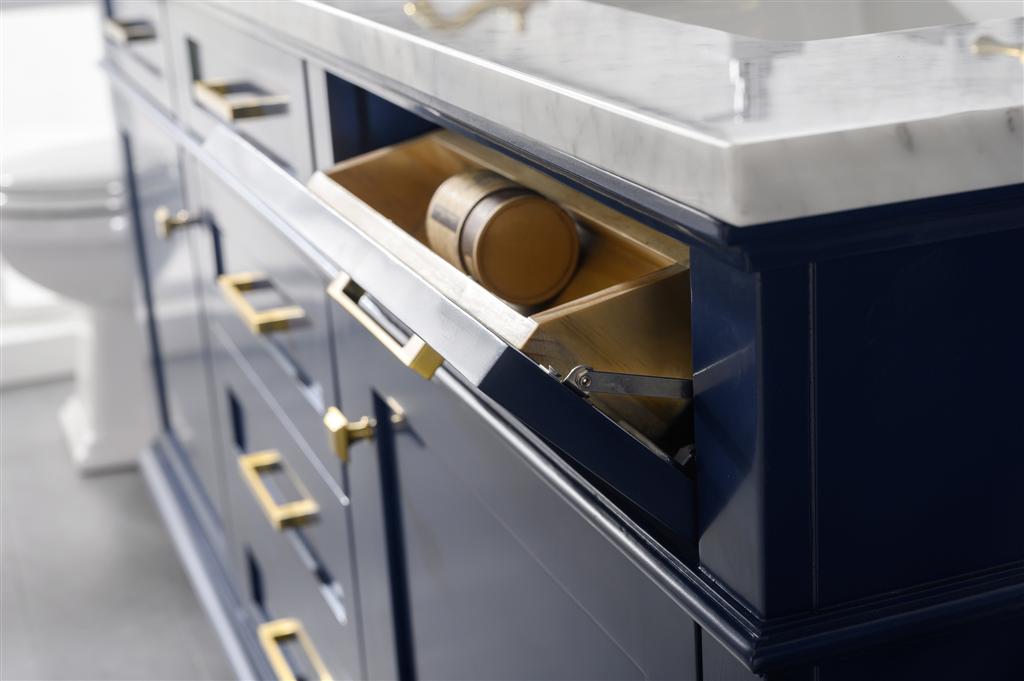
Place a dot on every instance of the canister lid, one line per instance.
(523, 247)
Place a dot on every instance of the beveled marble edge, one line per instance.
(809, 155)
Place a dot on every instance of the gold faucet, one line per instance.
(424, 13)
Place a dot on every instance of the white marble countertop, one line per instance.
(747, 129)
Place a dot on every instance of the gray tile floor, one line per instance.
(90, 585)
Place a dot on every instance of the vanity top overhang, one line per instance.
(746, 129)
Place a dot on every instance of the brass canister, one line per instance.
(516, 243)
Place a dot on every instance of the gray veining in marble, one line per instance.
(745, 129)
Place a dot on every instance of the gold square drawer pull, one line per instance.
(283, 514)
(124, 32)
(234, 100)
(233, 287)
(272, 633)
(414, 353)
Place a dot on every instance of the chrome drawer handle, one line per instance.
(234, 100)
(271, 633)
(415, 354)
(259, 322)
(165, 222)
(279, 515)
(124, 32)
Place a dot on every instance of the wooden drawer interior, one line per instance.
(626, 309)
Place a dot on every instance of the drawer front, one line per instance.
(282, 280)
(291, 550)
(136, 31)
(228, 77)
(493, 563)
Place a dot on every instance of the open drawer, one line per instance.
(625, 310)
(445, 316)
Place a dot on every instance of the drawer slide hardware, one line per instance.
(165, 222)
(272, 633)
(234, 100)
(234, 286)
(124, 32)
(414, 353)
(278, 514)
(586, 380)
(343, 432)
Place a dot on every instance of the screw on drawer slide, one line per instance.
(586, 380)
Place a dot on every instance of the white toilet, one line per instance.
(65, 227)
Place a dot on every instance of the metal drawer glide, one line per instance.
(585, 380)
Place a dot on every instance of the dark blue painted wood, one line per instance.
(499, 576)
(304, 571)
(751, 361)
(361, 121)
(856, 421)
(980, 650)
(174, 311)
(920, 436)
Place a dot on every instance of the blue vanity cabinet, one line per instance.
(480, 556)
(172, 242)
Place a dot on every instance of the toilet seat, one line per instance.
(59, 181)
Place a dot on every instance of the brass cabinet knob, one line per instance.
(343, 432)
(165, 222)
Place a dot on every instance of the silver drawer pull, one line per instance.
(235, 100)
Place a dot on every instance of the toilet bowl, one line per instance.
(65, 226)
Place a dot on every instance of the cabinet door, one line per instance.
(176, 314)
(473, 562)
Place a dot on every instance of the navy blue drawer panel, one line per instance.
(291, 553)
(250, 245)
(137, 34)
(211, 55)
